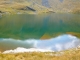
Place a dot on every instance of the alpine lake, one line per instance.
(39, 31)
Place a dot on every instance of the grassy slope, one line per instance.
(13, 6)
(72, 54)
(65, 6)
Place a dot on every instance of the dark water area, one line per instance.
(16, 29)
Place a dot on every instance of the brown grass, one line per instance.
(14, 7)
(72, 54)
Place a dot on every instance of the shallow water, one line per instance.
(16, 29)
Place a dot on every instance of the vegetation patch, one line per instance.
(72, 54)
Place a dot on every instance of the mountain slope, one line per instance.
(62, 5)
(40, 6)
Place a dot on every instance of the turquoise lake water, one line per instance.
(38, 29)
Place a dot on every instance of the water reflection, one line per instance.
(44, 26)
(59, 43)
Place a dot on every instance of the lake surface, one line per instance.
(16, 29)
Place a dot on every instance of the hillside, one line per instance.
(66, 5)
(21, 6)
(39, 6)
(62, 5)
